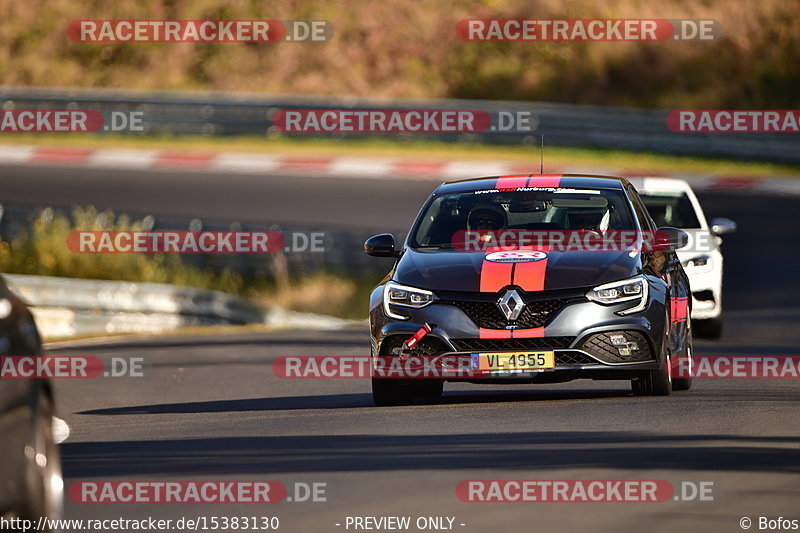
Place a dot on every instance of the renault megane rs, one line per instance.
(580, 289)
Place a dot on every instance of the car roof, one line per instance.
(580, 181)
(655, 184)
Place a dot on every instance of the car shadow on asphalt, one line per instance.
(545, 450)
(267, 340)
(351, 401)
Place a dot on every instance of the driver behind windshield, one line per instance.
(486, 218)
(585, 219)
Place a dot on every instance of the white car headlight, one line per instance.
(404, 296)
(632, 290)
(5, 308)
(701, 263)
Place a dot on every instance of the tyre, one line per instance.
(43, 478)
(388, 392)
(710, 328)
(429, 390)
(686, 360)
(655, 382)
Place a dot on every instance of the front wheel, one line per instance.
(684, 364)
(655, 382)
(43, 473)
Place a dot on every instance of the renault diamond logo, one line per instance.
(511, 304)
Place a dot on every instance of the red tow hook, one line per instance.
(416, 337)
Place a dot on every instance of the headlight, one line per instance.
(699, 263)
(403, 296)
(627, 290)
(5, 308)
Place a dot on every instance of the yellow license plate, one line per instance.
(513, 361)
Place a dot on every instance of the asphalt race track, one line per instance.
(210, 407)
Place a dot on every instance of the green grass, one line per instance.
(555, 156)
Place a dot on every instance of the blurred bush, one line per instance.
(43, 251)
(397, 48)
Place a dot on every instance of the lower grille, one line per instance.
(511, 345)
(428, 346)
(634, 348)
(574, 359)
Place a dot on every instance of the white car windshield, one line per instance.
(671, 209)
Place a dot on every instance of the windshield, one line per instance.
(533, 210)
(671, 209)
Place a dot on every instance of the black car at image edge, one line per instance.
(31, 483)
(609, 314)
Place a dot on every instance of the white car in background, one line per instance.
(671, 202)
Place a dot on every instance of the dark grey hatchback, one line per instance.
(534, 311)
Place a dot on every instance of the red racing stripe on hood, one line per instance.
(494, 276)
(530, 276)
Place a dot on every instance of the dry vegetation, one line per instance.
(396, 48)
(42, 251)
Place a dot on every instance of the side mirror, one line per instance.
(381, 246)
(671, 239)
(722, 226)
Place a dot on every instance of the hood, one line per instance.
(454, 270)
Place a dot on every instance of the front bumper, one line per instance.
(706, 287)
(583, 335)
